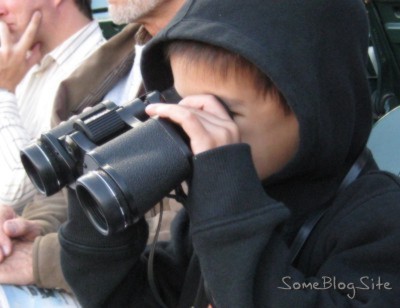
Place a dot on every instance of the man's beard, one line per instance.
(131, 10)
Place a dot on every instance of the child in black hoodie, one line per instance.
(286, 150)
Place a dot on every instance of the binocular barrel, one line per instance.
(119, 161)
(55, 159)
(129, 175)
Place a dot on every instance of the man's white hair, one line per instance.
(131, 10)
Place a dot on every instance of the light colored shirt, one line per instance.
(127, 88)
(27, 114)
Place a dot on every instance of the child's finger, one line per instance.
(5, 37)
(208, 103)
(205, 130)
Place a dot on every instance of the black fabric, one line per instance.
(239, 228)
(193, 285)
(332, 99)
(305, 231)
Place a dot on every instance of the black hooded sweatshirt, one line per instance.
(236, 231)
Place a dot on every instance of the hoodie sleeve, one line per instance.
(111, 271)
(233, 223)
(93, 264)
(245, 261)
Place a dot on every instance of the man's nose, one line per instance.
(3, 11)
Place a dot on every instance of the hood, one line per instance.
(315, 52)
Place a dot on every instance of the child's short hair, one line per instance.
(223, 60)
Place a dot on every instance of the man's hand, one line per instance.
(17, 268)
(16, 58)
(14, 227)
(6, 213)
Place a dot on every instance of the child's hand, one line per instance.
(203, 118)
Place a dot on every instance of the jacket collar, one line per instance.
(89, 83)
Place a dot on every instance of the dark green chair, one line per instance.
(384, 68)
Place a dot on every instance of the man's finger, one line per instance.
(5, 246)
(5, 37)
(6, 213)
(21, 228)
(29, 35)
(16, 227)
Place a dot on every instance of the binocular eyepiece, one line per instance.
(119, 161)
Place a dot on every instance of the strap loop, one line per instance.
(306, 229)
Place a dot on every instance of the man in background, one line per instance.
(42, 43)
(32, 238)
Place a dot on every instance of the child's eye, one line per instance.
(231, 113)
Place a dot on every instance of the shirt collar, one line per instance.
(62, 52)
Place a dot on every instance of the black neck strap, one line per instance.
(309, 224)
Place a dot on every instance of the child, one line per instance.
(277, 109)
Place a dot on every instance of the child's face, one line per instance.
(263, 123)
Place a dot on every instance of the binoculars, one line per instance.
(119, 161)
